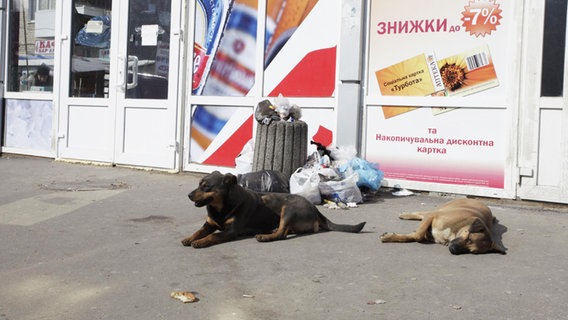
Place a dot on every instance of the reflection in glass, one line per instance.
(90, 48)
(31, 45)
(148, 49)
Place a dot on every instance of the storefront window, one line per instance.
(31, 32)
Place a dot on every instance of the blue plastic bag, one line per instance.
(369, 174)
(97, 40)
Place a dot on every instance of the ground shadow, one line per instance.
(497, 233)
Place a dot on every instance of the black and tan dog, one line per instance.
(235, 211)
(462, 224)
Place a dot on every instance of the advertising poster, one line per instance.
(299, 61)
(456, 48)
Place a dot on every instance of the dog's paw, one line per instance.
(186, 242)
(261, 238)
(199, 244)
(385, 237)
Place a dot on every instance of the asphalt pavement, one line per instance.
(84, 241)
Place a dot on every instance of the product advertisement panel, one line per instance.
(299, 61)
(456, 48)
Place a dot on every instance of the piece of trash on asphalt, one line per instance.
(331, 205)
(248, 296)
(334, 205)
(400, 192)
(379, 301)
(456, 307)
(339, 205)
(184, 296)
(317, 278)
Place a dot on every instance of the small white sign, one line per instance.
(94, 26)
(149, 34)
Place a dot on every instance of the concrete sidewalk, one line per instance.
(94, 242)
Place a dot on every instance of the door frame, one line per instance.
(3, 8)
(530, 106)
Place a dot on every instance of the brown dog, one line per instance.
(462, 224)
(236, 211)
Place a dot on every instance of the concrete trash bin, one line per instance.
(281, 146)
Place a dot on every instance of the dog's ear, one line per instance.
(498, 248)
(477, 226)
(229, 179)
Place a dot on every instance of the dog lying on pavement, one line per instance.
(464, 225)
(235, 211)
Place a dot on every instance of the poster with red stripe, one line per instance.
(300, 60)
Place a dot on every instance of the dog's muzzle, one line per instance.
(199, 202)
(457, 248)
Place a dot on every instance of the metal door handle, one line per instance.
(134, 68)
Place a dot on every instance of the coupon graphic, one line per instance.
(417, 76)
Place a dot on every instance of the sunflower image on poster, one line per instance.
(468, 72)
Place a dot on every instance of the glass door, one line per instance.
(147, 83)
(86, 97)
(121, 106)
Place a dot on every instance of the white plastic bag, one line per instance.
(345, 190)
(243, 162)
(305, 182)
(343, 154)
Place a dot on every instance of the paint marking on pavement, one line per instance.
(29, 211)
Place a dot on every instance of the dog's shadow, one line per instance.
(497, 233)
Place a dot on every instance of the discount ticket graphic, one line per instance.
(481, 17)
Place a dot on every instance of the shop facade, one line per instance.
(465, 97)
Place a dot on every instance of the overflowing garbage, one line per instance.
(266, 112)
(336, 176)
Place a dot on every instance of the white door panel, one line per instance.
(88, 139)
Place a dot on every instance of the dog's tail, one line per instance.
(326, 224)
